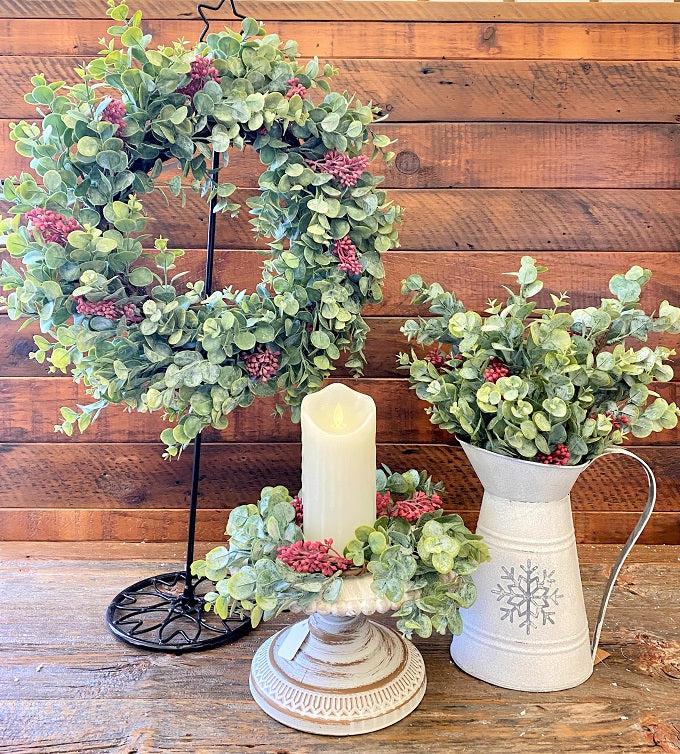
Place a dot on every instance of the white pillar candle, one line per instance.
(338, 463)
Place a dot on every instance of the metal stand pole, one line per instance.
(157, 613)
(196, 464)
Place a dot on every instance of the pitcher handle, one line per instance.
(632, 539)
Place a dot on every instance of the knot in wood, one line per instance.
(488, 35)
(407, 162)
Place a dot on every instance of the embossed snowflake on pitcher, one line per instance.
(529, 596)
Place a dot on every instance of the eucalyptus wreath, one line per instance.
(120, 318)
(543, 384)
(417, 555)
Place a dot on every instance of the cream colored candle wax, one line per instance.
(338, 463)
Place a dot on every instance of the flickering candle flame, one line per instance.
(338, 418)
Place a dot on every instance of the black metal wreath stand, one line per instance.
(165, 613)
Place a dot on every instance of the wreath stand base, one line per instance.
(159, 613)
(338, 673)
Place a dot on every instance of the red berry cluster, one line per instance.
(436, 358)
(107, 309)
(131, 314)
(559, 456)
(495, 370)
(97, 308)
(262, 363)
(202, 71)
(299, 511)
(411, 509)
(346, 252)
(345, 169)
(313, 557)
(295, 87)
(383, 501)
(619, 421)
(53, 227)
(115, 113)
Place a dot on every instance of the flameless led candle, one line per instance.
(338, 463)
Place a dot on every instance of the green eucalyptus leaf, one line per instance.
(141, 277)
(245, 341)
(88, 146)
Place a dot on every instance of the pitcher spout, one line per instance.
(519, 480)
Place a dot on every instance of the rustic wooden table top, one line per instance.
(66, 685)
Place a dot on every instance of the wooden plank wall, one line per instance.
(523, 127)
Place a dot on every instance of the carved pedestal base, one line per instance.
(350, 675)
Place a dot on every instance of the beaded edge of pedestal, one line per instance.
(356, 598)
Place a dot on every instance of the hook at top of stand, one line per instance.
(202, 7)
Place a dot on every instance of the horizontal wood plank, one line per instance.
(490, 219)
(638, 220)
(365, 10)
(384, 342)
(475, 276)
(134, 476)
(475, 219)
(31, 408)
(457, 90)
(167, 525)
(495, 155)
(384, 39)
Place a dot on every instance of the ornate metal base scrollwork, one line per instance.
(159, 613)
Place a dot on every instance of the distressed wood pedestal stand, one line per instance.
(338, 673)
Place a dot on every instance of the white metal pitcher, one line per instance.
(528, 628)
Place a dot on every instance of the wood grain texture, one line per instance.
(383, 39)
(638, 220)
(457, 90)
(366, 10)
(601, 555)
(495, 155)
(558, 137)
(31, 408)
(134, 476)
(489, 219)
(68, 687)
(170, 525)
